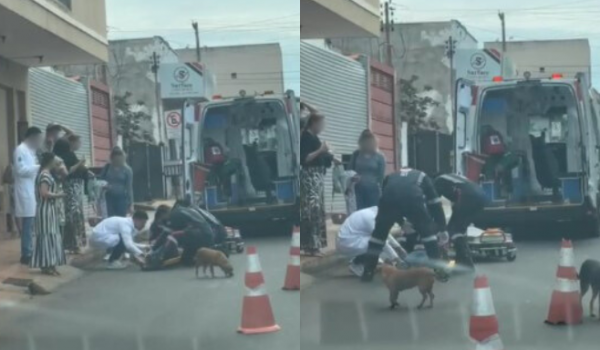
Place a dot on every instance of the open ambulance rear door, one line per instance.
(464, 124)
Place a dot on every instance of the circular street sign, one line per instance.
(174, 119)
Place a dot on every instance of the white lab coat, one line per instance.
(354, 235)
(25, 172)
(106, 234)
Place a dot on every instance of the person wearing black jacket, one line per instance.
(468, 200)
(407, 194)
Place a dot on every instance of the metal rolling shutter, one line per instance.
(56, 99)
(337, 87)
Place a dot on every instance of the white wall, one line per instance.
(254, 68)
(568, 57)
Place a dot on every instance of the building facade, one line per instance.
(38, 33)
(339, 18)
(542, 58)
(253, 68)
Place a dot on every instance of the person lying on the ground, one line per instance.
(116, 234)
(468, 200)
(353, 240)
(407, 194)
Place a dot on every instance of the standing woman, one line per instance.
(48, 250)
(369, 165)
(74, 185)
(119, 191)
(315, 158)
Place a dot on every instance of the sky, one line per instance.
(525, 20)
(221, 23)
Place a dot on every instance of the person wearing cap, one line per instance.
(26, 168)
(468, 200)
(407, 194)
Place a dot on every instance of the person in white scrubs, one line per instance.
(26, 169)
(353, 240)
(116, 234)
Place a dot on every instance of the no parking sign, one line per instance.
(173, 121)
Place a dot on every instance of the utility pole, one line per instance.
(158, 101)
(387, 26)
(502, 20)
(197, 32)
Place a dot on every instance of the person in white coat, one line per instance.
(26, 168)
(116, 235)
(353, 240)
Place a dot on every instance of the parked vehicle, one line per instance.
(533, 144)
(244, 164)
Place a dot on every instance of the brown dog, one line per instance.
(210, 258)
(398, 280)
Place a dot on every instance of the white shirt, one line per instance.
(354, 235)
(26, 168)
(106, 234)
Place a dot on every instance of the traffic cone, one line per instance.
(292, 277)
(483, 328)
(257, 315)
(565, 305)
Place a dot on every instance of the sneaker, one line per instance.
(357, 269)
(106, 257)
(116, 265)
(126, 256)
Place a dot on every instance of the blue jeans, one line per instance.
(117, 205)
(27, 237)
(367, 194)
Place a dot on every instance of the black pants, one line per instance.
(118, 251)
(395, 210)
(464, 213)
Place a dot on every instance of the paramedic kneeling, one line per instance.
(468, 200)
(353, 240)
(116, 234)
(407, 194)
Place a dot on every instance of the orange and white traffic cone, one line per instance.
(483, 328)
(257, 315)
(292, 277)
(565, 305)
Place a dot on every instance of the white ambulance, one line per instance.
(533, 145)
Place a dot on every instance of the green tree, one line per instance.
(414, 107)
(131, 120)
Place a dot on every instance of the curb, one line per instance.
(317, 265)
(87, 258)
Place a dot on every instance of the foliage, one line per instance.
(414, 106)
(131, 120)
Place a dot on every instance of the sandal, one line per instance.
(47, 272)
(54, 271)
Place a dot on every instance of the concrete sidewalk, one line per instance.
(15, 277)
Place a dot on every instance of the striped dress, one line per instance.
(48, 250)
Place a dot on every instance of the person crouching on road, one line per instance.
(116, 234)
(468, 200)
(407, 194)
(353, 240)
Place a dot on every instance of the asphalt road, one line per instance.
(338, 310)
(163, 310)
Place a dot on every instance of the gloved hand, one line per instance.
(443, 238)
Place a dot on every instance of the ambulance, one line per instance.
(244, 161)
(533, 145)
